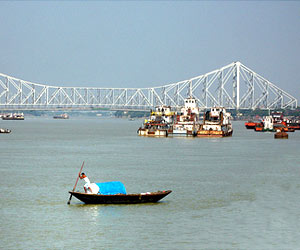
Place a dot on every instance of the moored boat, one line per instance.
(251, 124)
(216, 123)
(186, 121)
(267, 125)
(153, 129)
(15, 116)
(281, 135)
(159, 122)
(283, 127)
(292, 123)
(62, 116)
(5, 131)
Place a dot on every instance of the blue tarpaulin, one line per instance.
(112, 187)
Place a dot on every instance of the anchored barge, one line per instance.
(216, 123)
(159, 123)
(62, 116)
(15, 116)
(186, 121)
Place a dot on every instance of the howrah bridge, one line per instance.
(234, 86)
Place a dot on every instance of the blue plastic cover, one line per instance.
(112, 187)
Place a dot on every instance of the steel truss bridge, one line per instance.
(233, 86)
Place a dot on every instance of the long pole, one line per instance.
(76, 183)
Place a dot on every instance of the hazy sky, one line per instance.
(148, 44)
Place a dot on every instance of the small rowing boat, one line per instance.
(112, 192)
(148, 197)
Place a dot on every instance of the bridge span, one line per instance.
(233, 86)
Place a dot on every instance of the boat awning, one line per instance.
(111, 188)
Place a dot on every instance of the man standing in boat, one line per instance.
(89, 188)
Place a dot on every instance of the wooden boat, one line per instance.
(281, 135)
(148, 197)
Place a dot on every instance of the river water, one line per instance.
(240, 192)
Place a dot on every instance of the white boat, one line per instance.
(15, 116)
(186, 120)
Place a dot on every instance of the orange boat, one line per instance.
(251, 124)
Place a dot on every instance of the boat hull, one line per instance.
(13, 118)
(120, 198)
(178, 132)
(281, 135)
(157, 132)
(251, 125)
(261, 129)
(4, 131)
(213, 133)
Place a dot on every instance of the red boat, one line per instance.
(251, 124)
(283, 127)
(292, 124)
(295, 126)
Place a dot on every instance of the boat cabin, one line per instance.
(268, 122)
(218, 115)
(162, 114)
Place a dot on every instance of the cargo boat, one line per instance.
(216, 123)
